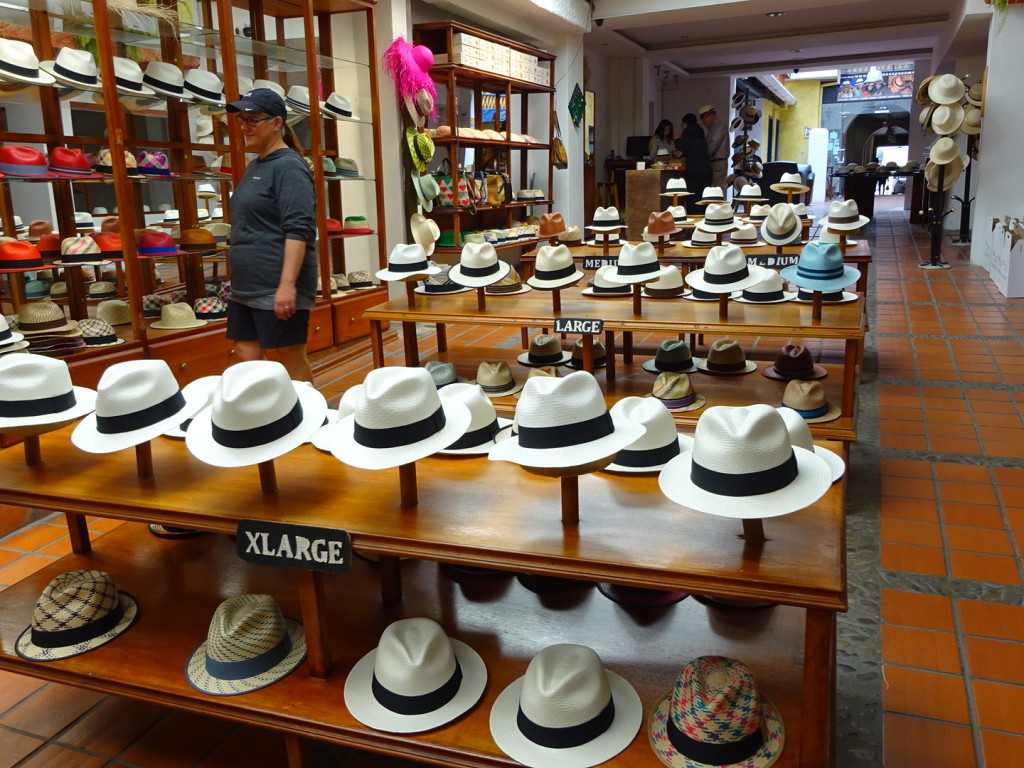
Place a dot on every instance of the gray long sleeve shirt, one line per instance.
(274, 202)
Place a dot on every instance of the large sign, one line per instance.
(582, 326)
(289, 545)
(894, 81)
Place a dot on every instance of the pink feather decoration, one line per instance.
(409, 67)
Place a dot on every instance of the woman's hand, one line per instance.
(284, 301)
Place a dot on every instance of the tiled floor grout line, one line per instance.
(965, 667)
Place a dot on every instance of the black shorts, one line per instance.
(262, 325)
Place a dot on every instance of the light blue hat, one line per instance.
(820, 268)
(37, 289)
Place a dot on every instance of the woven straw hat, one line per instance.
(43, 318)
(600, 286)
(37, 390)
(257, 413)
(673, 356)
(135, 401)
(496, 380)
(249, 646)
(676, 187)
(76, 612)
(661, 223)
(637, 264)
(972, 121)
(554, 269)
(808, 399)
(564, 423)
(323, 438)
(790, 182)
(443, 374)
(820, 267)
(100, 290)
(98, 333)
(726, 270)
(407, 262)
(771, 290)
(711, 195)
(80, 252)
(749, 192)
(675, 392)
(950, 177)
(544, 350)
(600, 355)
(551, 225)
(360, 280)
(944, 151)
(571, 235)
(484, 423)
(668, 286)
(794, 361)
(781, 226)
(203, 387)
(946, 89)
(843, 215)
(718, 217)
(424, 232)
(715, 712)
(607, 220)
(726, 358)
(416, 679)
(758, 213)
(567, 711)
(745, 236)
(800, 436)
(439, 284)
(701, 238)
(479, 266)
(657, 446)
(743, 465)
(176, 316)
(510, 285)
(399, 418)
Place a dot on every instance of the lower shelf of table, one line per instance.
(178, 585)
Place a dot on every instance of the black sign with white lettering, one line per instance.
(584, 327)
(779, 260)
(294, 546)
(596, 262)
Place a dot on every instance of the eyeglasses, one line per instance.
(251, 122)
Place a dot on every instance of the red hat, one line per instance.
(49, 246)
(19, 256)
(110, 244)
(71, 164)
(334, 228)
(153, 243)
(27, 162)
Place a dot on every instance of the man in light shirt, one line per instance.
(718, 143)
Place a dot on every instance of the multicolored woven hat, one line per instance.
(676, 393)
(421, 147)
(155, 163)
(101, 289)
(210, 308)
(76, 612)
(249, 645)
(715, 715)
(152, 304)
(98, 333)
(104, 163)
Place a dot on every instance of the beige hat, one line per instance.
(115, 312)
(809, 400)
(947, 118)
(177, 316)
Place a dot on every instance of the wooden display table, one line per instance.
(629, 533)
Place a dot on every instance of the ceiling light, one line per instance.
(775, 14)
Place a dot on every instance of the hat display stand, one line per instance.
(481, 298)
(964, 236)
(569, 478)
(30, 439)
(935, 216)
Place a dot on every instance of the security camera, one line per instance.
(796, 70)
(599, 22)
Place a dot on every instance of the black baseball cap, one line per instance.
(260, 100)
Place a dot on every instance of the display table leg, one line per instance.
(78, 532)
(609, 349)
(412, 352)
(570, 500)
(377, 343)
(850, 362)
(524, 336)
(627, 347)
(296, 751)
(390, 579)
(313, 606)
(817, 740)
(441, 332)
(33, 451)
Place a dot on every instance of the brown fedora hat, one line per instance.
(199, 241)
(794, 361)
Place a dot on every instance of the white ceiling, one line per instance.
(702, 37)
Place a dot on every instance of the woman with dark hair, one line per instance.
(273, 235)
(694, 147)
(661, 144)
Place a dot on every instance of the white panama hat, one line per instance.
(844, 215)
(128, 75)
(771, 290)
(745, 236)
(637, 264)
(416, 679)
(676, 187)
(660, 442)
(37, 390)
(166, 79)
(407, 262)
(479, 266)
(135, 401)
(484, 423)
(726, 270)
(257, 414)
(601, 286)
(425, 232)
(76, 67)
(800, 435)
(567, 711)
(323, 438)
(701, 238)
(668, 286)
(743, 465)
(944, 151)
(399, 418)
(19, 64)
(204, 87)
(790, 182)
(607, 220)
(554, 269)
(782, 226)
(718, 217)
(564, 422)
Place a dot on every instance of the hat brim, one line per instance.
(620, 733)
(624, 433)
(143, 90)
(852, 227)
(455, 289)
(970, 130)
(483, 448)
(749, 366)
(664, 293)
(691, 297)
(680, 193)
(614, 276)
(365, 708)
(771, 372)
(772, 728)
(604, 228)
(524, 359)
(755, 244)
(649, 366)
(835, 462)
(161, 326)
(697, 246)
(554, 285)
(102, 263)
(784, 188)
(699, 401)
(13, 346)
(43, 78)
(599, 244)
(685, 444)
(403, 277)
(200, 442)
(811, 483)
(755, 274)
(576, 363)
(203, 681)
(850, 276)
(786, 296)
(620, 295)
(26, 649)
(716, 228)
(524, 288)
(455, 274)
(47, 66)
(108, 344)
(831, 414)
(345, 448)
(91, 440)
(85, 403)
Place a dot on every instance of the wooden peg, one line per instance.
(144, 459)
(588, 353)
(718, 237)
(268, 476)
(636, 299)
(723, 305)
(410, 293)
(816, 305)
(556, 302)
(33, 451)
(753, 530)
(407, 483)
(481, 299)
(571, 500)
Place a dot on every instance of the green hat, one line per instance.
(426, 189)
(330, 171)
(421, 147)
(447, 239)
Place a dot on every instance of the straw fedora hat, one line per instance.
(202, 87)
(440, 284)
(781, 226)
(443, 374)
(550, 371)
(484, 423)
(554, 269)
(257, 414)
(820, 267)
(794, 361)
(551, 225)
(668, 286)
(758, 213)
(73, 66)
(946, 89)
(944, 151)
(564, 423)
(129, 78)
(479, 266)
(601, 287)
(790, 182)
(726, 270)
(407, 262)
(567, 711)
(946, 119)
(971, 124)
(177, 316)
(675, 392)
(338, 106)
(43, 318)
(808, 399)
(248, 646)
(800, 436)
(637, 264)
(19, 64)
(607, 220)
(496, 380)
(716, 712)
(711, 195)
(98, 333)
(598, 350)
(750, 193)
(37, 390)
(743, 465)
(399, 418)
(676, 188)
(136, 400)
(76, 612)
(673, 356)
(718, 217)
(416, 679)
(425, 232)
(114, 311)
(544, 350)
(975, 93)
(203, 387)
(843, 215)
(80, 252)
(771, 290)
(951, 175)
(701, 238)
(726, 358)
(661, 224)
(361, 281)
(659, 443)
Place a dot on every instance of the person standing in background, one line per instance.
(718, 144)
(692, 145)
(661, 144)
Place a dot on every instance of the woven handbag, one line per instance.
(559, 157)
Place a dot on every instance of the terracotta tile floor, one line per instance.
(951, 531)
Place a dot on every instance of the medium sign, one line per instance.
(780, 260)
(584, 327)
(294, 546)
(596, 262)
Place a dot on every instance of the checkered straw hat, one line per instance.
(76, 612)
(250, 645)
